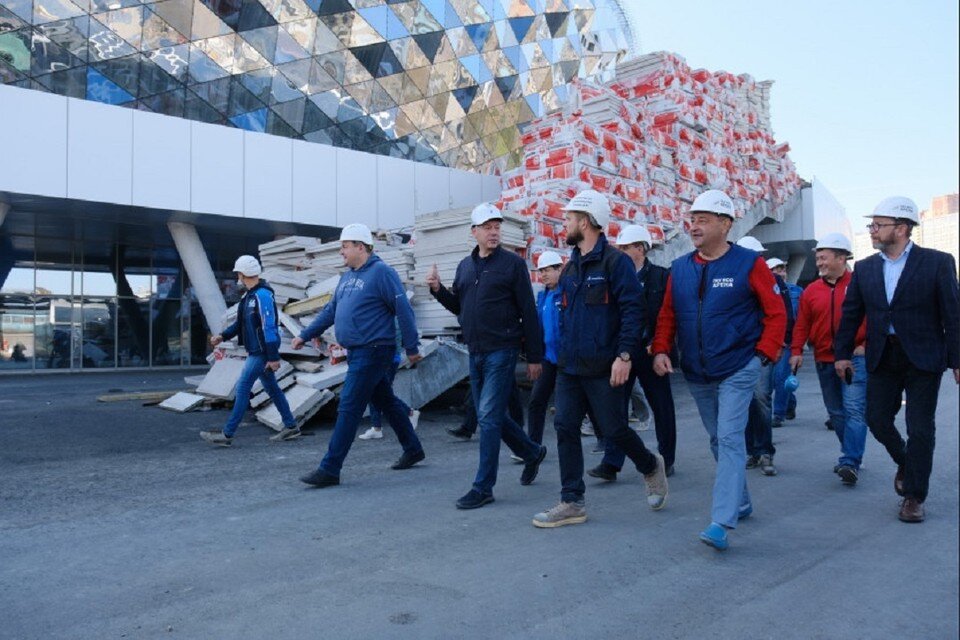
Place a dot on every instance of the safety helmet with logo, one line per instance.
(713, 201)
(897, 207)
(633, 234)
(248, 266)
(357, 232)
(594, 204)
(549, 259)
(773, 263)
(749, 242)
(484, 213)
(837, 242)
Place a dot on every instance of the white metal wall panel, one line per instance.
(99, 152)
(433, 188)
(161, 161)
(491, 187)
(396, 193)
(314, 183)
(356, 188)
(33, 151)
(216, 169)
(268, 174)
(465, 189)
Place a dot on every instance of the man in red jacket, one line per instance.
(817, 321)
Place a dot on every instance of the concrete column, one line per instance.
(201, 275)
(795, 266)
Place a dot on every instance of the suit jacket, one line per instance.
(924, 311)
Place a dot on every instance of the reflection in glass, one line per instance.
(17, 319)
(167, 332)
(18, 281)
(98, 333)
(133, 332)
(57, 333)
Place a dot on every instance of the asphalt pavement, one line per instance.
(117, 521)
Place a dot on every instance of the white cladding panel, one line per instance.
(268, 177)
(27, 146)
(314, 183)
(396, 192)
(99, 152)
(465, 189)
(161, 161)
(216, 169)
(433, 188)
(356, 188)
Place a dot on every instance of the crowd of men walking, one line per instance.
(608, 318)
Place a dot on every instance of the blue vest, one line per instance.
(718, 315)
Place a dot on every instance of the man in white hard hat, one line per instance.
(635, 241)
(784, 401)
(759, 433)
(366, 306)
(722, 308)
(493, 299)
(257, 331)
(908, 294)
(817, 322)
(602, 320)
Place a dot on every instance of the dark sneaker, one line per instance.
(473, 500)
(461, 433)
(407, 460)
(766, 465)
(828, 424)
(753, 462)
(604, 471)
(847, 474)
(669, 471)
(599, 447)
(287, 433)
(216, 437)
(320, 479)
(777, 422)
(791, 414)
(531, 469)
(562, 514)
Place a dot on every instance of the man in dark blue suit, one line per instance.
(909, 296)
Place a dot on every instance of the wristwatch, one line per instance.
(625, 356)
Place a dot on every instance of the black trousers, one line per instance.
(885, 387)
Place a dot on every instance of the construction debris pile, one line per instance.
(652, 141)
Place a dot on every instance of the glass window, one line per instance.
(136, 269)
(97, 283)
(198, 335)
(133, 332)
(167, 332)
(57, 333)
(54, 266)
(98, 317)
(18, 281)
(16, 332)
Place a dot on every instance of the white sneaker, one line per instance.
(371, 434)
(641, 425)
(516, 458)
(587, 428)
(414, 418)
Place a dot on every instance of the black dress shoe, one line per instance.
(320, 479)
(473, 500)
(603, 471)
(460, 432)
(531, 469)
(407, 460)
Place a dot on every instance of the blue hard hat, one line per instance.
(791, 384)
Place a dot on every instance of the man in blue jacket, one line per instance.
(548, 310)
(257, 331)
(493, 299)
(601, 321)
(908, 294)
(368, 298)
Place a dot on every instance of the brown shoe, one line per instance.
(898, 481)
(911, 510)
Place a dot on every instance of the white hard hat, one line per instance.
(357, 232)
(836, 241)
(773, 263)
(549, 259)
(483, 213)
(633, 234)
(248, 266)
(593, 203)
(897, 207)
(749, 242)
(713, 201)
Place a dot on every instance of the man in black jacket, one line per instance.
(635, 241)
(493, 299)
(909, 297)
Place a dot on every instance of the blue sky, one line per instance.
(864, 92)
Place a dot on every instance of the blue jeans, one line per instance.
(846, 405)
(783, 401)
(573, 396)
(660, 398)
(367, 381)
(491, 377)
(723, 408)
(256, 367)
(376, 417)
(759, 433)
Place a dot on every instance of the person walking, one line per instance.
(256, 331)
(365, 305)
(635, 241)
(729, 322)
(492, 297)
(909, 297)
(549, 265)
(821, 308)
(601, 323)
(375, 432)
(784, 400)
